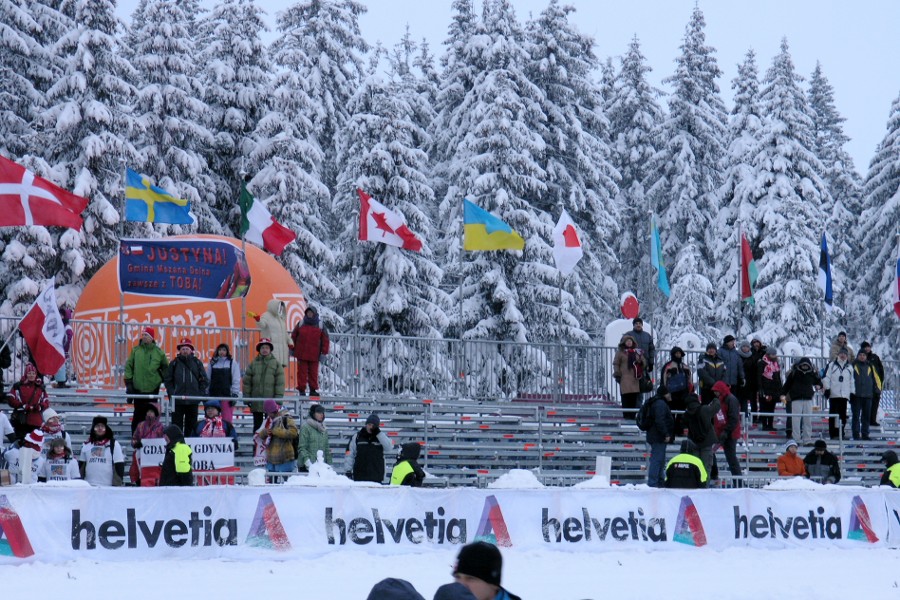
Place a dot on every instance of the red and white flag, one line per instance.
(44, 332)
(26, 199)
(378, 224)
(566, 245)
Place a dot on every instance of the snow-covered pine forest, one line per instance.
(520, 116)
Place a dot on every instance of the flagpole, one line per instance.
(120, 339)
(243, 342)
(462, 243)
(740, 278)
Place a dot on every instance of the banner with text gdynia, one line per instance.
(71, 520)
(210, 269)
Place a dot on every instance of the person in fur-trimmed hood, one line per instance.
(277, 434)
(314, 437)
(59, 465)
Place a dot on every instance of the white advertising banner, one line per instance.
(55, 524)
(207, 454)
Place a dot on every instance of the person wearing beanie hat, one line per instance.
(874, 360)
(214, 425)
(28, 398)
(186, 380)
(276, 440)
(822, 465)
(734, 363)
(768, 371)
(314, 438)
(789, 463)
(479, 567)
(891, 475)
(660, 433)
(264, 378)
(102, 461)
(644, 341)
(629, 370)
(59, 464)
(144, 370)
(407, 470)
(676, 376)
(309, 342)
(365, 452)
(838, 382)
(686, 471)
(840, 343)
(710, 369)
(800, 386)
(394, 589)
(53, 430)
(176, 467)
(24, 459)
(224, 374)
(151, 428)
(866, 383)
(727, 425)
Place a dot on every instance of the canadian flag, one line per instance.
(26, 199)
(378, 224)
(566, 245)
(44, 332)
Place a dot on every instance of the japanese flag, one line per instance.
(566, 245)
(44, 332)
(379, 224)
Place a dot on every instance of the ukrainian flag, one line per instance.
(484, 231)
(147, 203)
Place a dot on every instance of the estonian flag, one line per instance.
(825, 275)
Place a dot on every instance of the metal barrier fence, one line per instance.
(371, 366)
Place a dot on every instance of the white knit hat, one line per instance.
(789, 444)
(49, 414)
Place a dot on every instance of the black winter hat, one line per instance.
(637, 320)
(865, 345)
(675, 350)
(820, 445)
(100, 419)
(394, 589)
(316, 408)
(711, 345)
(454, 591)
(373, 419)
(481, 560)
(689, 447)
(889, 458)
(728, 338)
(174, 433)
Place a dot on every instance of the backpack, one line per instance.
(644, 418)
(677, 382)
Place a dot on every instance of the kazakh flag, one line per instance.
(150, 204)
(484, 231)
(656, 259)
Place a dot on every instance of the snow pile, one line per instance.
(516, 479)
(597, 481)
(794, 483)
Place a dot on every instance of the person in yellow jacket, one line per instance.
(407, 470)
(891, 474)
(686, 470)
(176, 468)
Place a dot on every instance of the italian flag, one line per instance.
(260, 227)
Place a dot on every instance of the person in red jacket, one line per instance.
(29, 396)
(310, 342)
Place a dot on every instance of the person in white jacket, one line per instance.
(838, 383)
(365, 452)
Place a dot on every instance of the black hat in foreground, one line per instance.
(481, 560)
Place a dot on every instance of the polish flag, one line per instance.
(44, 332)
(566, 245)
(379, 224)
(26, 199)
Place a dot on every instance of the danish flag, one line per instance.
(26, 199)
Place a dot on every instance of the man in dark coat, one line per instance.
(822, 464)
(660, 433)
(176, 467)
(686, 470)
(728, 426)
(186, 376)
(365, 458)
(700, 427)
(710, 369)
(407, 470)
(800, 386)
(644, 341)
(876, 363)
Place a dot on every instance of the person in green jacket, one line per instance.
(144, 372)
(264, 378)
(314, 437)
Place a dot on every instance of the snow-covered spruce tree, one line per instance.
(790, 193)
(877, 234)
(399, 293)
(580, 177)
(736, 197)
(685, 175)
(25, 70)
(327, 31)
(286, 166)
(90, 125)
(170, 110)
(410, 79)
(634, 116)
(506, 295)
(237, 80)
(844, 185)
(430, 80)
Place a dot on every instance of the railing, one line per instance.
(370, 366)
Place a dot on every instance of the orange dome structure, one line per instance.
(106, 332)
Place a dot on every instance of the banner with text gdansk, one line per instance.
(55, 524)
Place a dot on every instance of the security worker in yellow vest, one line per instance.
(686, 470)
(407, 470)
(176, 467)
(891, 474)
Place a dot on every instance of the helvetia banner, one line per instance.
(210, 269)
(55, 524)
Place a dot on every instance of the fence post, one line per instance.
(540, 445)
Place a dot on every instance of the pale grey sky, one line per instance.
(856, 42)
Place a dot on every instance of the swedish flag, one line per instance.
(484, 231)
(147, 203)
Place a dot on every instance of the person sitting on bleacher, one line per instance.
(214, 425)
(407, 470)
(59, 465)
(151, 428)
(53, 430)
(102, 461)
(822, 465)
(686, 471)
(789, 464)
(891, 475)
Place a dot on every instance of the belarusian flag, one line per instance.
(749, 274)
(260, 227)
